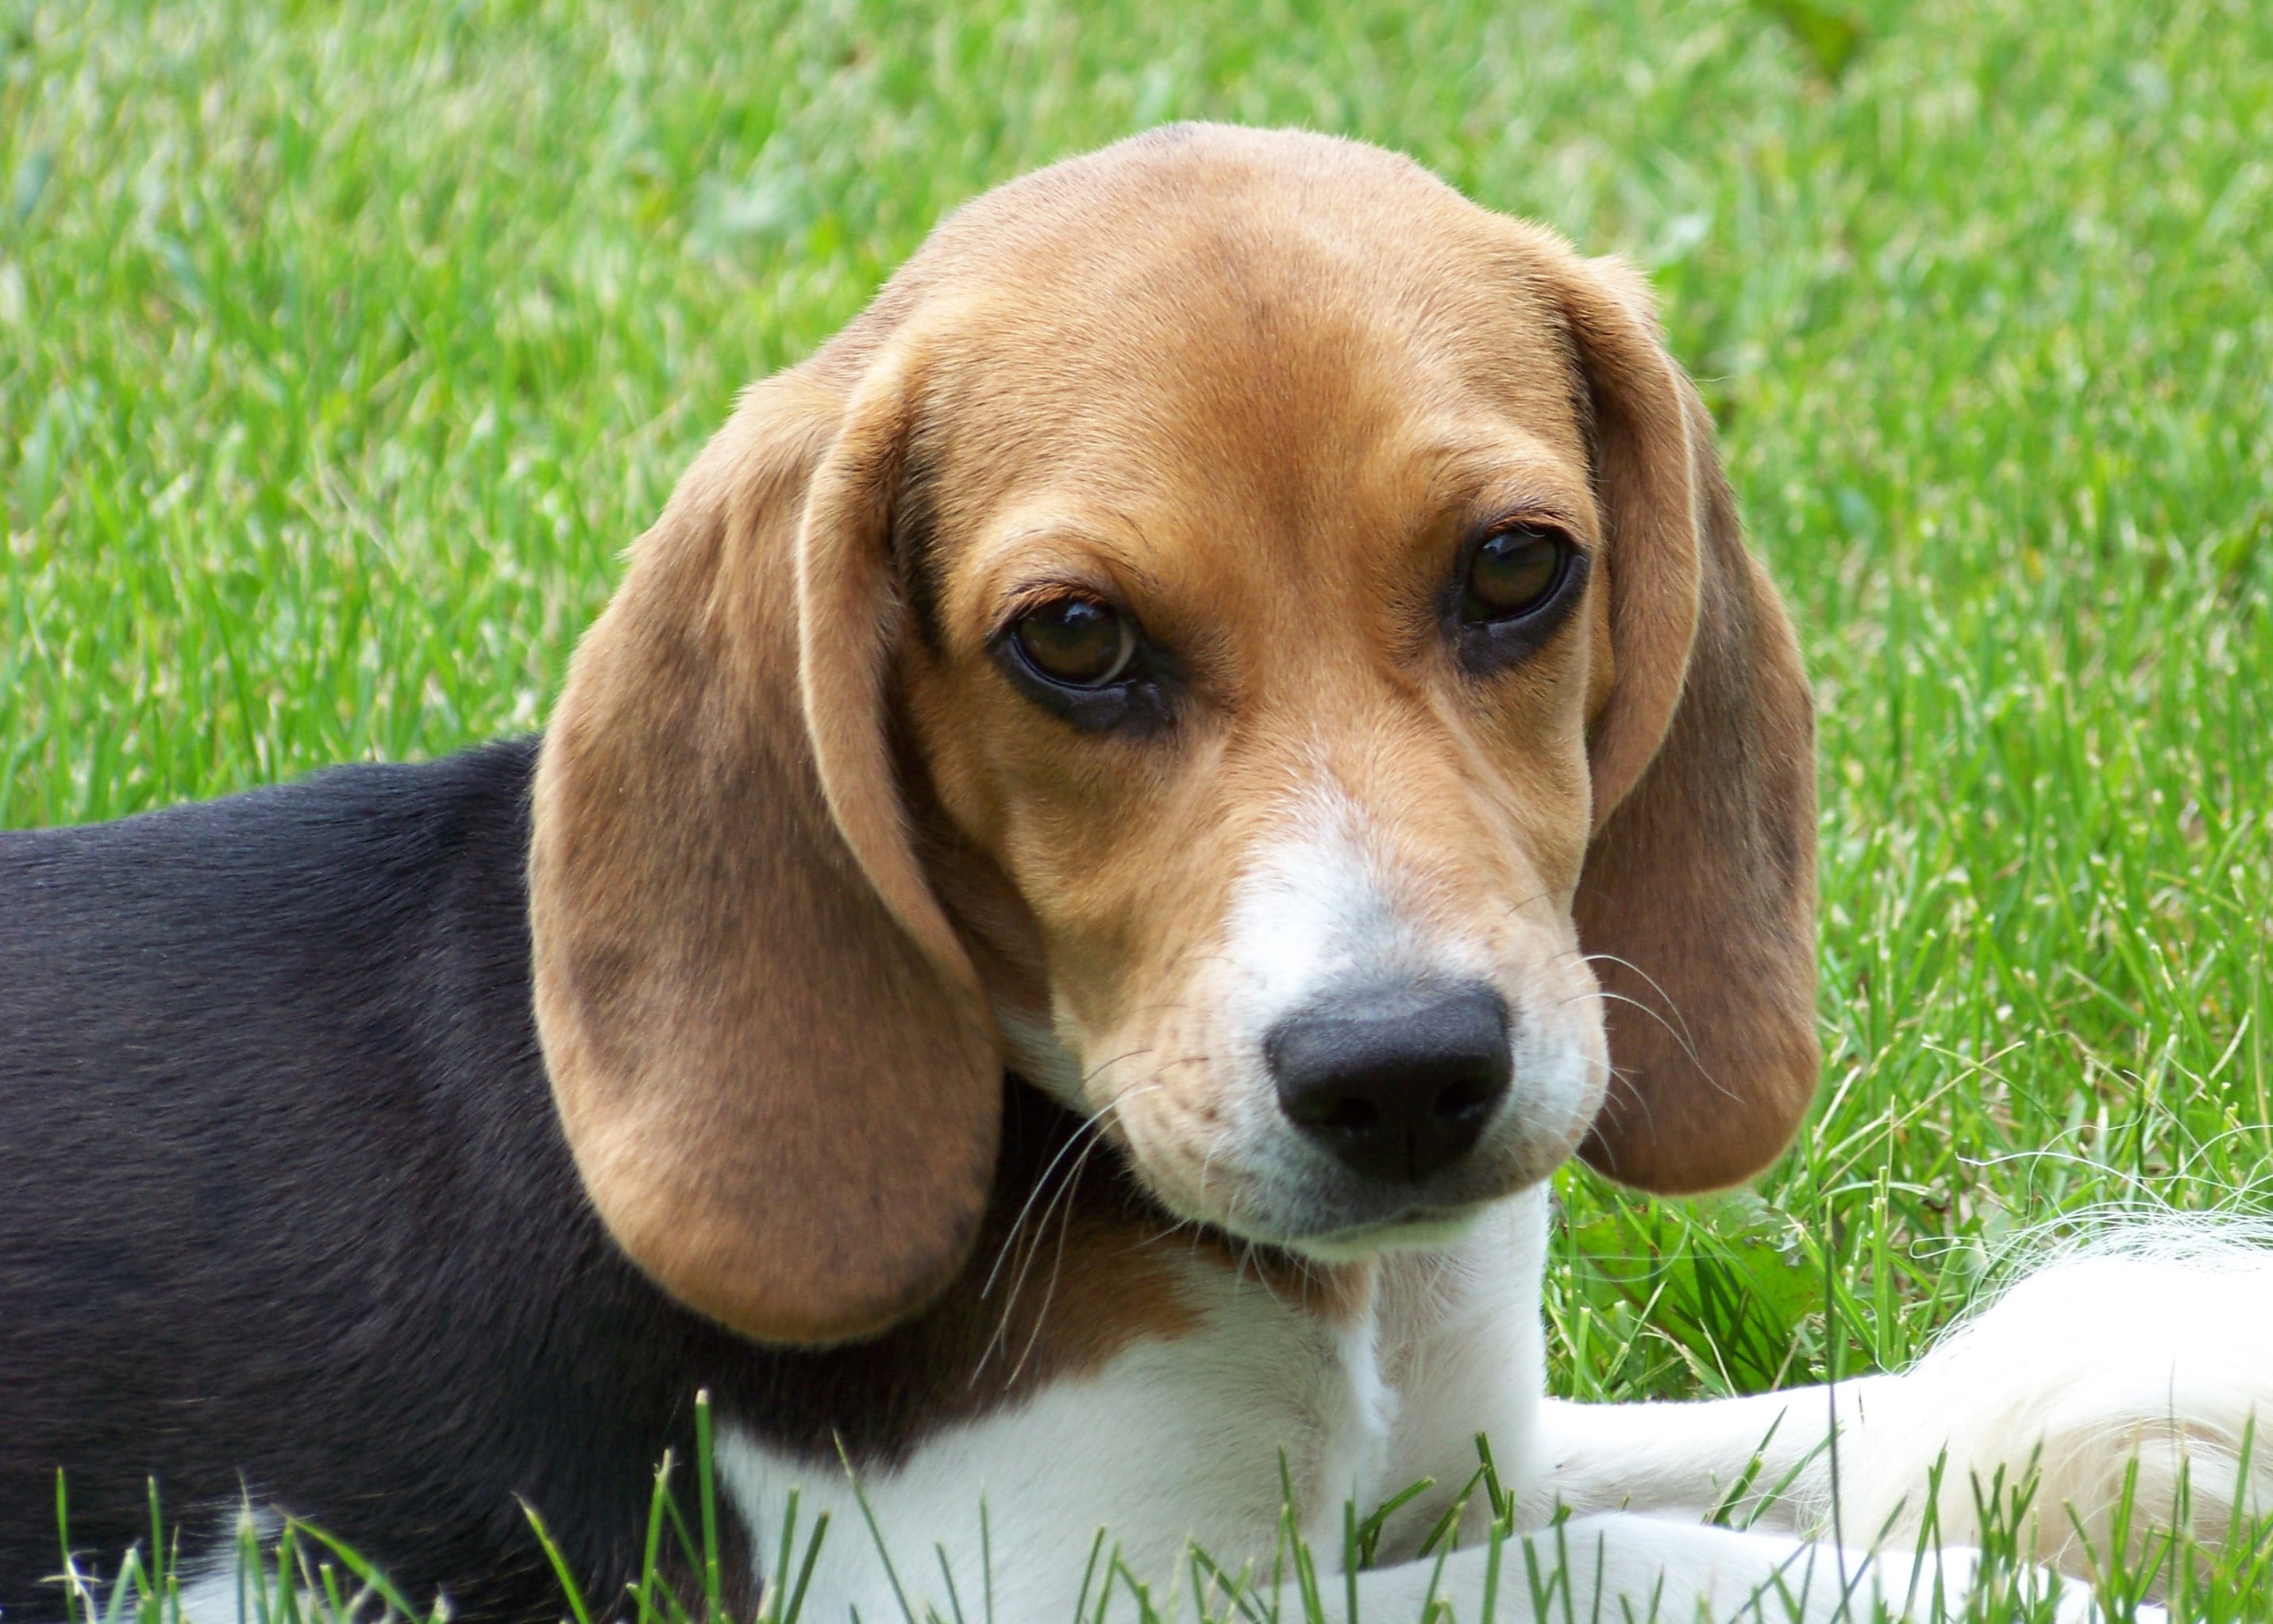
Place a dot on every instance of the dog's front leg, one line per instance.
(1769, 1461)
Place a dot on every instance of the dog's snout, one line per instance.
(1397, 1083)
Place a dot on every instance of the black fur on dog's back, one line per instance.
(285, 1197)
(286, 1211)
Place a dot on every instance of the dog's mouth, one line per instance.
(1415, 1229)
(1346, 1220)
(1045, 1140)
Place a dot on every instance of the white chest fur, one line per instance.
(1181, 1440)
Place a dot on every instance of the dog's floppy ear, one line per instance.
(767, 1049)
(1698, 898)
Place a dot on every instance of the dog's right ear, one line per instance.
(770, 1057)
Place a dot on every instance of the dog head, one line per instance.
(1236, 634)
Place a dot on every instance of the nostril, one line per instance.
(1396, 1082)
(1467, 1097)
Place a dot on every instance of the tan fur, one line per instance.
(798, 842)
(781, 1108)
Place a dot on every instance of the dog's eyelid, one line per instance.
(1040, 594)
(1529, 516)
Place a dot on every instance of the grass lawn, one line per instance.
(343, 347)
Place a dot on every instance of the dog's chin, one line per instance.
(1381, 1224)
(1419, 1231)
(1375, 1222)
(1326, 1220)
(1349, 1221)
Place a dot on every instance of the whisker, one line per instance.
(1679, 1035)
(1536, 896)
(1042, 1181)
(1655, 986)
(1613, 1101)
(1057, 1266)
(1088, 1135)
(1087, 1127)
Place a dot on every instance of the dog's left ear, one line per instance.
(1697, 903)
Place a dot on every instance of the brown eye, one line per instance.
(1514, 571)
(1076, 641)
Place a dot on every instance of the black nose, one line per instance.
(1396, 1082)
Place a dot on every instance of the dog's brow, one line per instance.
(1488, 481)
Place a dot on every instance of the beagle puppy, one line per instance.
(1127, 816)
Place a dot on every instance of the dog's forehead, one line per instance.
(1189, 263)
(1233, 325)
(1141, 206)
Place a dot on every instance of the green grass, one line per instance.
(343, 347)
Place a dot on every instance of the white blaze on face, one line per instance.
(1323, 912)
(1316, 914)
